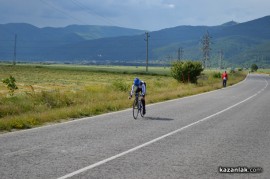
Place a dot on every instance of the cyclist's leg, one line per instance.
(137, 92)
(142, 99)
(143, 102)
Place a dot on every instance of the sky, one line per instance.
(137, 14)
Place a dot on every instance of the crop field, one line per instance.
(264, 71)
(55, 93)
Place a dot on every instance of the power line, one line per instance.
(92, 12)
(59, 10)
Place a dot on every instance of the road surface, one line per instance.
(192, 137)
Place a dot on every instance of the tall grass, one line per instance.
(51, 94)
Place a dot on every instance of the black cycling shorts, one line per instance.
(139, 90)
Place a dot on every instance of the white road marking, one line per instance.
(157, 139)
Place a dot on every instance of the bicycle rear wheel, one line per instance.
(135, 109)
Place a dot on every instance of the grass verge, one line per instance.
(49, 94)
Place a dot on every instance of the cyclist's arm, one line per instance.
(143, 90)
(132, 90)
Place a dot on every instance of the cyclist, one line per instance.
(139, 86)
(224, 78)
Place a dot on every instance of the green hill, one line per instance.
(33, 43)
(241, 43)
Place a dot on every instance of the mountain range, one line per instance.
(240, 43)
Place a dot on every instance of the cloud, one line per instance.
(140, 14)
(170, 5)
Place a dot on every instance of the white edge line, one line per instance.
(105, 114)
(157, 139)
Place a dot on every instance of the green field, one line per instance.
(264, 71)
(56, 93)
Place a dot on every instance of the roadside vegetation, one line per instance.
(186, 71)
(263, 71)
(56, 93)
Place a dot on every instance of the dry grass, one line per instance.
(48, 94)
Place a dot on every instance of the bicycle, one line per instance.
(137, 106)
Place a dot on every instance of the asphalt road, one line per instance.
(190, 137)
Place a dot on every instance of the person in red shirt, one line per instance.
(224, 78)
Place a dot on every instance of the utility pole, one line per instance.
(180, 53)
(169, 57)
(147, 36)
(220, 59)
(15, 46)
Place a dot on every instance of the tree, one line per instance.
(10, 82)
(187, 71)
(254, 67)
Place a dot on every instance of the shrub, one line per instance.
(11, 85)
(187, 71)
(216, 75)
(254, 67)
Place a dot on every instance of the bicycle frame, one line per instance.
(137, 106)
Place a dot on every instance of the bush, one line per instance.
(217, 75)
(11, 85)
(254, 67)
(187, 71)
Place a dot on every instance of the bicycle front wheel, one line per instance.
(135, 109)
